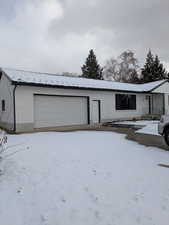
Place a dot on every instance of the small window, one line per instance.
(125, 102)
(3, 105)
(0, 75)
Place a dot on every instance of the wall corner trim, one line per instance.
(14, 108)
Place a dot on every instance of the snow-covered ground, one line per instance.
(82, 178)
(151, 126)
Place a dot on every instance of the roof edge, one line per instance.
(8, 77)
(74, 87)
(159, 85)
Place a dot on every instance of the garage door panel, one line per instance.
(51, 111)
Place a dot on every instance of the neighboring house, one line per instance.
(30, 100)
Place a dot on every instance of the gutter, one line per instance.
(14, 108)
(75, 87)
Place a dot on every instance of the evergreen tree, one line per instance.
(91, 68)
(159, 71)
(153, 70)
(147, 71)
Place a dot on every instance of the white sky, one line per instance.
(56, 35)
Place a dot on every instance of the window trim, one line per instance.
(129, 109)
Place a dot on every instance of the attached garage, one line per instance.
(51, 111)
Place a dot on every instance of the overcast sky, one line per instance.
(56, 35)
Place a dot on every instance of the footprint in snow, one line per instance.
(137, 197)
(19, 190)
(97, 215)
(86, 189)
(1, 172)
(63, 199)
(94, 171)
(94, 198)
(43, 220)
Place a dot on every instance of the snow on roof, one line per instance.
(21, 76)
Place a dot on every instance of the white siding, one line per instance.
(164, 89)
(25, 103)
(158, 102)
(6, 93)
(95, 111)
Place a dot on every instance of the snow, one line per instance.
(52, 79)
(82, 178)
(150, 126)
(138, 122)
(150, 129)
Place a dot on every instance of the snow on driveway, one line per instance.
(138, 122)
(150, 126)
(82, 178)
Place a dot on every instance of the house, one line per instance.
(31, 100)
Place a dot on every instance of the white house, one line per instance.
(30, 101)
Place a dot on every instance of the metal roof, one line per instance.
(44, 79)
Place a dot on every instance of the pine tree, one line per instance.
(91, 68)
(153, 70)
(159, 70)
(147, 71)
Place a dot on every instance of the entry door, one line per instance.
(96, 111)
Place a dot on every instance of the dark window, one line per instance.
(125, 102)
(3, 105)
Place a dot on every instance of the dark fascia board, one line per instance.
(73, 87)
(159, 85)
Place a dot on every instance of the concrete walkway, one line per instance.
(144, 139)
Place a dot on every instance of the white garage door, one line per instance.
(51, 111)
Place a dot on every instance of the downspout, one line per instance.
(14, 108)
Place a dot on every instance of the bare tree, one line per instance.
(123, 69)
(111, 70)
